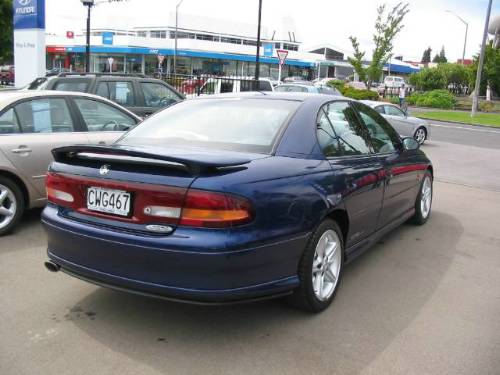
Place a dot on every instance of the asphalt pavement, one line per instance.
(425, 300)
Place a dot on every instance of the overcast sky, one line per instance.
(317, 21)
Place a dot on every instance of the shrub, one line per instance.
(433, 99)
(359, 94)
(336, 83)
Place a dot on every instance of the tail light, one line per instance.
(154, 203)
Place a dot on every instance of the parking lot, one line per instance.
(425, 300)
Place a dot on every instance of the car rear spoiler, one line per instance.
(192, 161)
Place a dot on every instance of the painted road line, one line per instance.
(468, 129)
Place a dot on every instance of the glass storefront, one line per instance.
(148, 64)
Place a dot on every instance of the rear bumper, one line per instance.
(211, 273)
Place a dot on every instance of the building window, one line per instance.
(277, 45)
(230, 40)
(205, 37)
(162, 34)
(142, 34)
(182, 35)
(290, 47)
(250, 42)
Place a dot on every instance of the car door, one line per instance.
(401, 175)
(104, 122)
(155, 96)
(399, 121)
(45, 123)
(346, 144)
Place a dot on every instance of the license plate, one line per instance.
(109, 201)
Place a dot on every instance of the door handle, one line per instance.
(22, 150)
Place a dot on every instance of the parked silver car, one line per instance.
(406, 126)
(32, 123)
(297, 87)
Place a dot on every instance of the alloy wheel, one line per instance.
(420, 135)
(8, 206)
(326, 265)
(426, 197)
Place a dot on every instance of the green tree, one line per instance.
(426, 57)
(387, 26)
(6, 32)
(441, 57)
(491, 70)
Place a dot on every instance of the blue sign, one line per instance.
(29, 14)
(268, 49)
(107, 38)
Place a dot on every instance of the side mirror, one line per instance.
(410, 144)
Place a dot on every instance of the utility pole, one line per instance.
(176, 25)
(475, 97)
(257, 57)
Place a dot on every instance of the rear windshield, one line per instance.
(247, 125)
(74, 86)
(286, 88)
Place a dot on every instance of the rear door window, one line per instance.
(47, 115)
(8, 122)
(340, 132)
(121, 92)
(393, 111)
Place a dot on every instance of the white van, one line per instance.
(393, 82)
(221, 85)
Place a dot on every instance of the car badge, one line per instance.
(104, 170)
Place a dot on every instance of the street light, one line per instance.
(89, 4)
(475, 97)
(466, 32)
(176, 25)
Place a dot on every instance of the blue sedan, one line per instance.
(235, 198)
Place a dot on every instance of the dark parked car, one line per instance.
(234, 198)
(139, 94)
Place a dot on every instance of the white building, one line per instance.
(204, 45)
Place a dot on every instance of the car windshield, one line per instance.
(237, 124)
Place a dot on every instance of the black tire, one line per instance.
(304, 296)
(419, 218)
(18, 196)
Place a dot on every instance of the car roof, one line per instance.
(268, 95)
(10, 96)
(373, 103)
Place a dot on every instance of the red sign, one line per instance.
(55, 49)
(70, 34)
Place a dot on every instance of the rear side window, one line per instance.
(223, 124)
(340, 132)
(380, 109)
(48, 115)
(158, 95)
(393, 111)
(100, 116)
(117, 91)
(8, 122)
(77, 86)
(384, 138)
